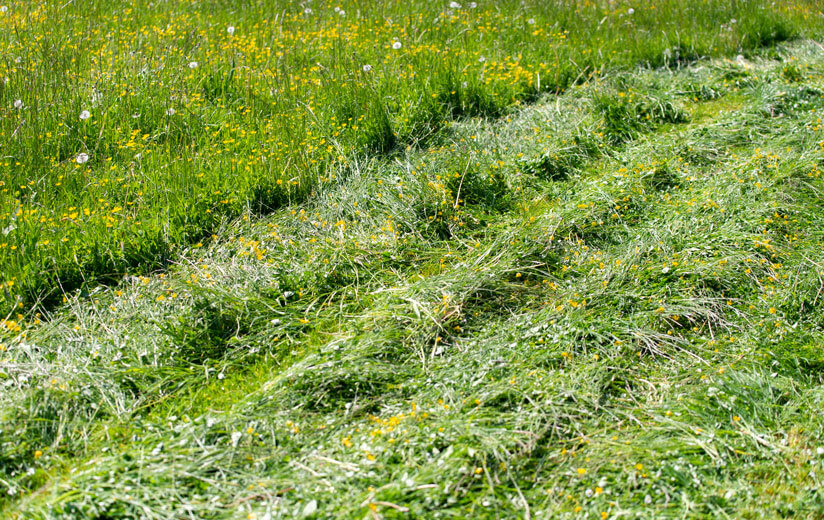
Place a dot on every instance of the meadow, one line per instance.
(410, 260)
(130, 129)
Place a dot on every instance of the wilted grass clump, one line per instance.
(627, 114)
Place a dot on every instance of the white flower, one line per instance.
(733, 21)
(236, 437)
(396, 45)
(337, 9)
(648, 500)
(482, 59)
(3, 9)
(82, 158)
(473, 5)
(454, 5)
(18, 104)
(308, 10)
(230, 29)
(18, 59)
(367, 68)
(630, 10)
(531, 21)
(819, 451)
(342, 12)
(170, 111)
(192, 64)
(85, 115)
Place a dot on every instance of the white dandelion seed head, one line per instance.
(531, 21)
(18, 104)
(648, 500)
(18, 59)
(85, 114)
(308, 10)
(482, 59)
(192, 64)
(367, 68)
(630, 10)
(733, 21)
(396, 45)
(3, 9)
(230, 29)
(342, 12)
(473, 5)
(337, 9)
(454, 5)
(170, 111)
(82, 158)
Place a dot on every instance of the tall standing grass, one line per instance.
(202, 110)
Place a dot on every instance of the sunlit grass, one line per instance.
(130, 129)
(602, 304)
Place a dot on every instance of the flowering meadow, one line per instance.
(411, 260)
(130, 129)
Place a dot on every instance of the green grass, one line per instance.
(604, 303)
(273, 112)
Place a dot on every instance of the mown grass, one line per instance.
(603, 304)
(190, 124)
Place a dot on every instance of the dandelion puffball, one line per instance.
(170, 112)
(193, 65)
(18, 104)
(396, 45)
(230, 29)
(630, 10)
(473, 5)
(454, 5)
(308, 10)
(85, 115)
(82, 158)
(367, 68)
(3, 9)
